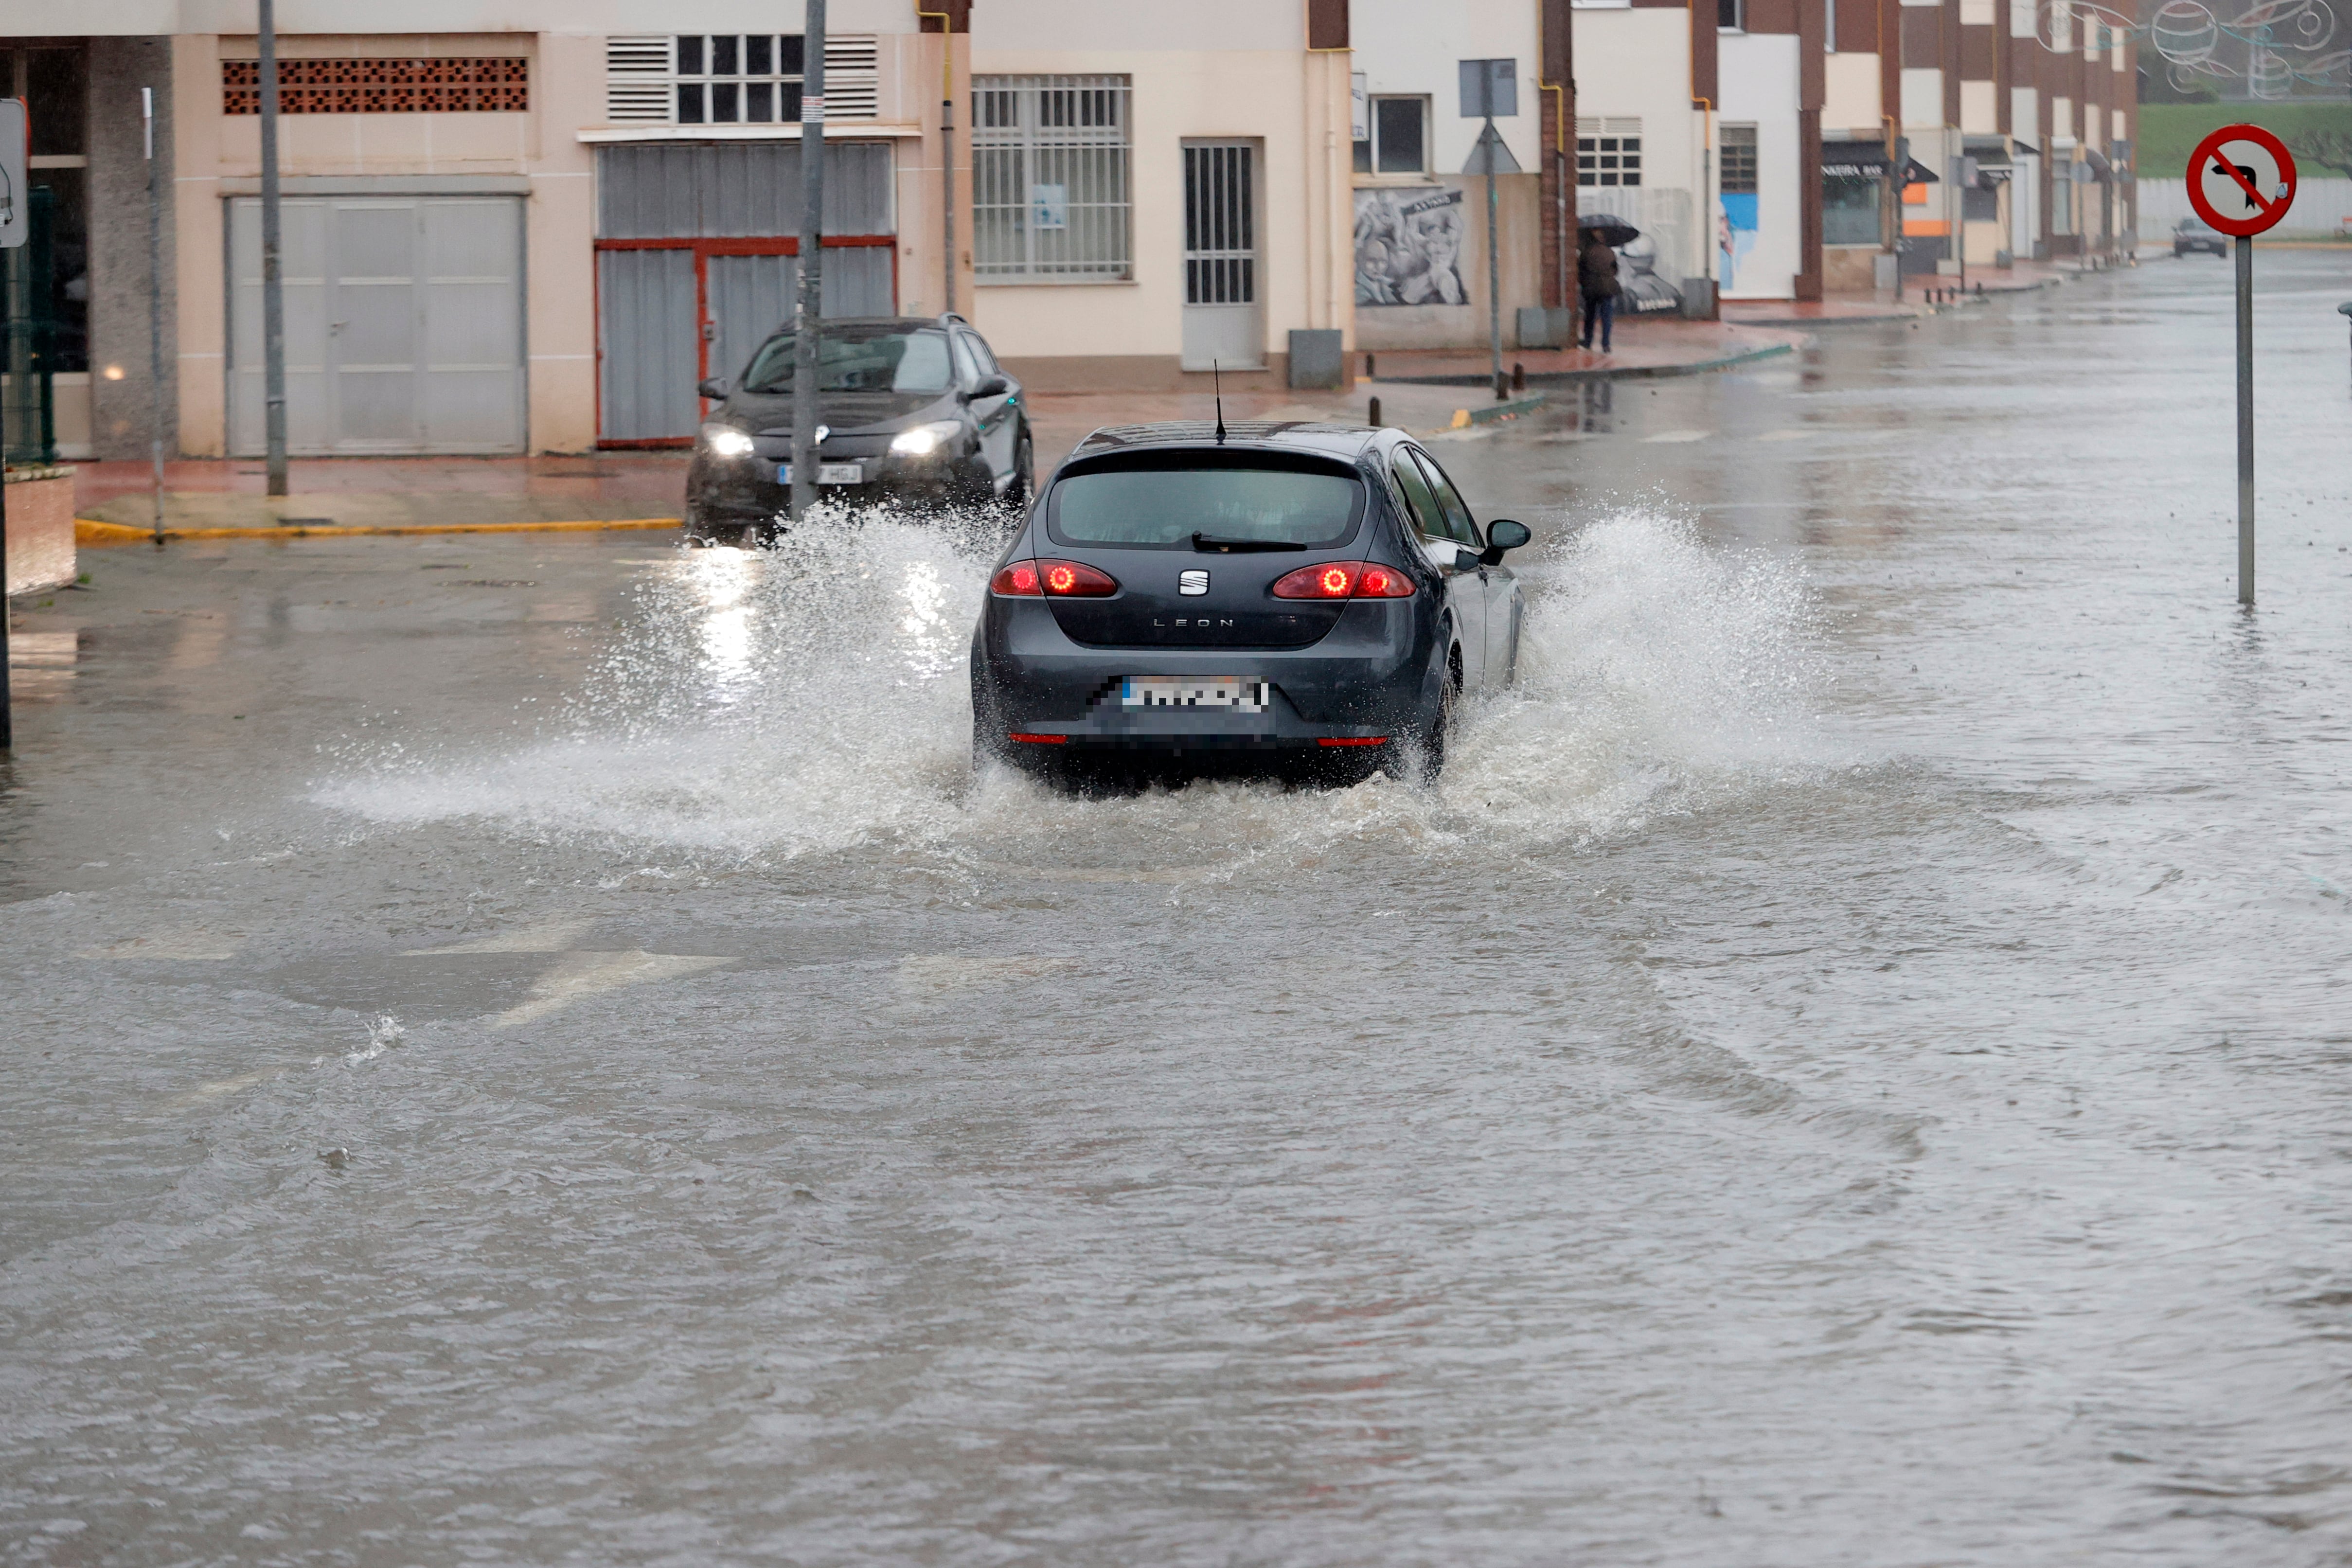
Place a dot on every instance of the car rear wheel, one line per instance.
(1432, 740)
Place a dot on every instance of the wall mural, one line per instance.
(1408, 247)
(2273, 47)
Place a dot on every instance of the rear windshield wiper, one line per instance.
(1234, 546)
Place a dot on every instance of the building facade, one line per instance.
(537, 229)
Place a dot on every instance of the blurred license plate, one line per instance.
(1193, 691)
(826, 473)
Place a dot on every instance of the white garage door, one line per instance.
(403, 324)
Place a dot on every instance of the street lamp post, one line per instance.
(810, 307)
(273, 282)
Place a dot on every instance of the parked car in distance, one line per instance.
(2196, 233)
(1303, 599)
(913, 410)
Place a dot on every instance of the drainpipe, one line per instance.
(947, 143)
(1330, 156)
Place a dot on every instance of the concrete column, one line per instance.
(120, 409)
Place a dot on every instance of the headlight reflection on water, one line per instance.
(720, 579)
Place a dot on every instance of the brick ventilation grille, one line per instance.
(497, 83)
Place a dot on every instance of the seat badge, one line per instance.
(1192, 583)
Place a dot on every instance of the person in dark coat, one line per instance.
(1596, 278)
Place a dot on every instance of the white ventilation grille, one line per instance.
(637, 78)
(853, 77)
(1593, 125)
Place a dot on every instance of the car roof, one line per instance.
(1345, 441)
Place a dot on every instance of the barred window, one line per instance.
(1738, 159)
(1609, 151)
(496, 83)
(1051, 197)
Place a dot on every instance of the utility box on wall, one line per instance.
(1318, 362)
(1545, 326)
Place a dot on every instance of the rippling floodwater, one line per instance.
(536, 1050)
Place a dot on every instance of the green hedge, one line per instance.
(2319, 135)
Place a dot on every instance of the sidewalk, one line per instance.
(1643, 346)
(386, 492)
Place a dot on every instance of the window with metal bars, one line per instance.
(1738, 144)
(1051, 197)
(1220, 225)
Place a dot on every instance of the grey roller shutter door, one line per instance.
(404, 325)
(645, 344)
(752, 296)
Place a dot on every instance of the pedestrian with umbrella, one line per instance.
(1596, 271)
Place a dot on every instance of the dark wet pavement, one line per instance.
(537, 1048)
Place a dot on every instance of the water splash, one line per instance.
(813, 698)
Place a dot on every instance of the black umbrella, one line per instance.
(1613, 230)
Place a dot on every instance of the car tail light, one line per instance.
(1344, 580)
(1019, 579)
(1353, 741)
(1028, 739)
(1075, 580)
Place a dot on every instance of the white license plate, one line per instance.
(1193, 692)
(826, 473)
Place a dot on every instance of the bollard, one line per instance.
(1374, 418)
(1519, 376)
(1502, 387)
(1370, 373)
(2345, 309)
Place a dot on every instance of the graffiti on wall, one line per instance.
(1408, 247)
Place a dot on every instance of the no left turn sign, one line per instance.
(2241, 180)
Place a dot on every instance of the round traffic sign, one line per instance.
(2241, 180)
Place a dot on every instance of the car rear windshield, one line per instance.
(911, 361)
(1164, 505)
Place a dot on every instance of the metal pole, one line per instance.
(809, 309)
(154, 303)
(1488, 146)
(273, 289)
(947, 153)
(2245, 421)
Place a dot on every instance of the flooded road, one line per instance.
(538, 1050)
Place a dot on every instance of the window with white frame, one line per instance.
(1609, 151)
(1398, 142)
(1051, 197)
(734, 78)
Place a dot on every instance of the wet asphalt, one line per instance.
(540, 1048)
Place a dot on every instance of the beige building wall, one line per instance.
(220, 158)
(1260, 84)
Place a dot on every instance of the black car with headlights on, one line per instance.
(915, 411)
(1296, 598)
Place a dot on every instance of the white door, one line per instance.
(1225, 324)
(404, 325)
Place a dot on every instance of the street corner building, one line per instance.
(513, 234)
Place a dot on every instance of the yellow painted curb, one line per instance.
(88, 531)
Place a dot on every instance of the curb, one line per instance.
(1606, 373)
(88, 531)
(1495, 414)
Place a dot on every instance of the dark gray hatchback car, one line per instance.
(914, 410)
(1293, 598)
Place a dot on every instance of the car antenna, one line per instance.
(1217, 380)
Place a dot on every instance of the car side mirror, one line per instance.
(989, 386)
(712, 387)
(1503, 534)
